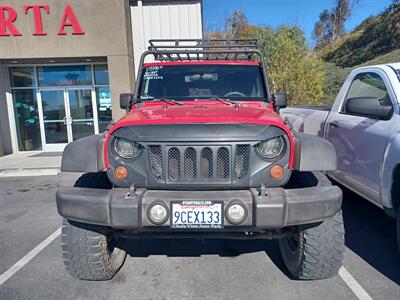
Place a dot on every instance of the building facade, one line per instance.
(63, 63)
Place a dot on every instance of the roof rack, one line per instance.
(203, 49)
(158, 44)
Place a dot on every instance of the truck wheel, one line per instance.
(91, 252)
(315, 251)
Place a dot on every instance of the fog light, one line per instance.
(236, 213)
(121, 173)
(157, 213)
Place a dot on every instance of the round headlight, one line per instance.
(157, 213)
(126, 149)
(271, 148)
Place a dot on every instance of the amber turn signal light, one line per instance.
(277, 172)
(121, 173)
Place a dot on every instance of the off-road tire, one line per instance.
(91, 252)
(315, 251)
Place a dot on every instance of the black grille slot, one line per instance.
(174, 163)
(207, 163)
(223, 163)
(156, 163)
(190, 163)
(242, 160)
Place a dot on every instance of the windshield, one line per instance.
(236, 82)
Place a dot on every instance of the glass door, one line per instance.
(54, 119)
(82, 116)
(66, 115)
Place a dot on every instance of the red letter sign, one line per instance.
(37, 17)
(8, 22)
(69, 19)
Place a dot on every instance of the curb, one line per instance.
(29, 172)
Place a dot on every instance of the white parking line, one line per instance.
(354, 285)
(23, 261)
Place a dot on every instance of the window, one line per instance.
(368, 96)
(27, 119)
(64, 75)
(367, 85)
(22, 77)
(101, 75)
(203, 81)
(104, 112)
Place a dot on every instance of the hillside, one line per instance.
(375, 36)
(335, 75)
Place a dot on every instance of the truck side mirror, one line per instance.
(368, 107)
(125, 100)
(280, 100)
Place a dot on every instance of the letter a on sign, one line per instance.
(7, 18)
(69, 19)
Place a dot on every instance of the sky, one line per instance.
(303, 13)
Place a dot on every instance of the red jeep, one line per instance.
(201, 153)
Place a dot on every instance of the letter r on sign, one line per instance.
(7, 18)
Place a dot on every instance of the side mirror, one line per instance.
(280, 100)
(368, 107)
(125, 100)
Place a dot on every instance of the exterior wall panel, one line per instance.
(164, 20)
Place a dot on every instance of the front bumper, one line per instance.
(272, 208)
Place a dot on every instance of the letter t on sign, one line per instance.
(7, 21)
(69, 19)
(37, 17)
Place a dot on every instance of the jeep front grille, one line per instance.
(156, 162)
(241, 166)
(199, 164)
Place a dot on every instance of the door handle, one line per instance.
(333, 124)
(65, 120)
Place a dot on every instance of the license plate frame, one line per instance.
(199, 206)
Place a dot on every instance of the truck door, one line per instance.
(359, 136)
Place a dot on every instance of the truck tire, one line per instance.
(315, 251)
(91, 252)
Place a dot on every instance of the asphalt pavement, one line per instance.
(184, 269)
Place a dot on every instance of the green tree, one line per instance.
(290, 65)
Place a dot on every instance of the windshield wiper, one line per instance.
(167, 101)
(226, 101)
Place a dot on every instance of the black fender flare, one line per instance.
(84, 155)
(313, 153)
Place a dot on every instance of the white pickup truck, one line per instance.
(364, 126)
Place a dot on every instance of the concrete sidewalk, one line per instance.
(30, 164)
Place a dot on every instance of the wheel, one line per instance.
(314, 251)
(91, 252)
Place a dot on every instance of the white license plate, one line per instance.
(197, 215)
